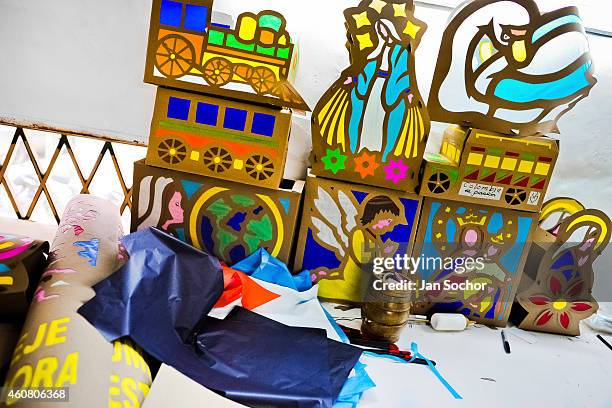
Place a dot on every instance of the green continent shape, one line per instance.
(259, 231)
(220, 210)
(225, 239)
(243, 200)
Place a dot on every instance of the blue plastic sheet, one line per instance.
(161, 297)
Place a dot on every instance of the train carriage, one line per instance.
(219, 138)
(481, 167)
(255, 60)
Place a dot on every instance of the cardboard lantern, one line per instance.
(481, 167)
(255, 60)
(559, 296)
(371, 126)
(344, 226)
(22, 260)
(229, 220)
(57, 347)
(219, 138)
(471, 259)
(506, 67)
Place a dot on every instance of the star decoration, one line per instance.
(378, 5)
(334, 161)
(362, 19)
(411, 29)
(396, 171)
(365, 41)
(399, 10)
(366, 165)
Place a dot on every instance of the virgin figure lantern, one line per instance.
(371, 126)
(505, 67)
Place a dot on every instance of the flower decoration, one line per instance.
(562, 305)
(366, 165)
(396, 171)
(334, 160)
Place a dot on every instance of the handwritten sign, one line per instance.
(483, 191)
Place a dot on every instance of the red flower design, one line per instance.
(560, 304)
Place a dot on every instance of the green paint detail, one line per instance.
(437, 158)
(453, 174)
(334, 161)
(259, 231)
(516, 178)
(283, 53)
(270, 21)
(501, 174)
(484, 172)
(220, 210)
(233, 42)
(266, 50)
(495, 152)
(216, 37)
(528, 156)
(534, 180)
(225, 238)
(215, 132)
(243, 201)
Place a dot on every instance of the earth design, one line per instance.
(233, 226)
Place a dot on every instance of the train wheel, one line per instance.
(218, 71)
(515, 196)
(172, 151)
(259, 167)
(217, 159)
(439, 183)
(263, 80)
(175, 56)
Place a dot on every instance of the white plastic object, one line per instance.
(449, 322)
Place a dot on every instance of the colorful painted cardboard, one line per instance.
(22, 261)
(57, 348)
(229, 220)
(481, 167)
(506, 67)
(255, 60)
(497, 241)
(219, 138)
(371, 126)
(560, 296)
(344, 226)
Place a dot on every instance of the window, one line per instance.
(196, 17)
(207, 114)
(178, 108)
(475, 159)
(263, 124)
(171, 12)
(492, 162)
(235, 119)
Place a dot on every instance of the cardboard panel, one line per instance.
(448, 233)
(344, 225)
(219, 138)
(480, 167)
(21, 262)
(560, 295)
(371, 126)
(253, 60)
(229, 220)
(507, 67)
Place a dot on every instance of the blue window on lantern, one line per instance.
(207, 114)
(178, 108)
(171, 12)
(263, 124)
(196, 18)
(235, 119)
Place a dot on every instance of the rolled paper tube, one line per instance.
(57, 347)
(449, 322)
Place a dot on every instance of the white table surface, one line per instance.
(555, 371)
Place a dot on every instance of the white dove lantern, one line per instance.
(505, 67)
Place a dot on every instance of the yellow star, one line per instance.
(411, 29)
(378, 5)
(365, 41)
(399, 10)
(362, 19)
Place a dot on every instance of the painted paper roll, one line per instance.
(58, 348)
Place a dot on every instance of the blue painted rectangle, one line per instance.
(196, 18)
(171, 13)
(235, 119)
(207, 114)
(263, 124)
(178, 108)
